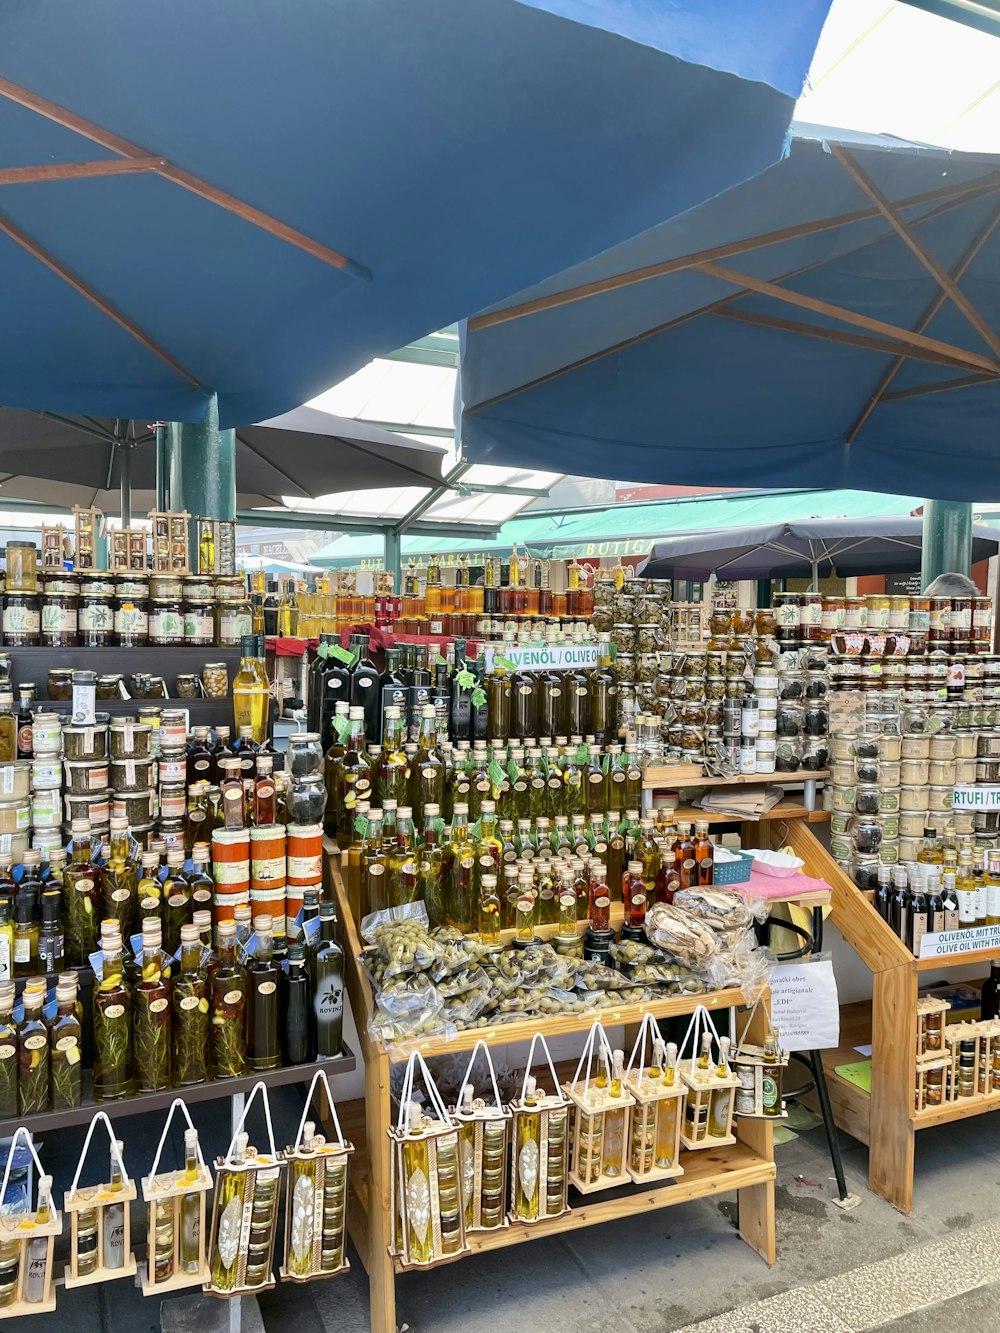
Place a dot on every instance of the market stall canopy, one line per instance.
(67, 460)
(813, 548)
(621, 530)
(253, 199)
(833, 322)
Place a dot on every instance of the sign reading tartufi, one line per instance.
(976, 798)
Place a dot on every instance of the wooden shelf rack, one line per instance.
(885, 1119)
(746, 1166)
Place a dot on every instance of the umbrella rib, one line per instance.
(906, 233)
(73, 171)
(115, 144)
(942, 386)
(957, 273)
(787, 296)
(743, 246)
(38, 252)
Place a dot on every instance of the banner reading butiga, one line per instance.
(976, 798)
(536, 656)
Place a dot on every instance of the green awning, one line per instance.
(625, 529)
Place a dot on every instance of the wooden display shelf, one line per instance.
(160, 1101)
(885, 1119)
(746, 1166)
(658, 776)
(783, 810)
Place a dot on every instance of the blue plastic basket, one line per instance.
(733, 872)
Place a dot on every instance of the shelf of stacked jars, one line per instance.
(746, 704)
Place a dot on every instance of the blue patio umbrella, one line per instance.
(252, 198)
(834, 322)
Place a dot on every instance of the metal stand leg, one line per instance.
(832, 1138)
(809, 793)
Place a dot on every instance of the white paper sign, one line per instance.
(541, 655)
(948, 943)
(976, 798)
(805, 1007)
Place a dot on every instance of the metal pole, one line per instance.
(162, 489)
(392, 558)
(125, 481)
(947, 539)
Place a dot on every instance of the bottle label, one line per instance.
(268, 867)
(120, 895)
(596, 778)
(769, 1092)
(189, 1002)
(230, 872)
(158, 1006)
(603, 900)
(20, 620)
(114, 1011)
(266, 988)
(66, 1044)
(35, 1043)
(7, 1052)
(131, 620)
(638, 898)
(307, 868)
(22, 950)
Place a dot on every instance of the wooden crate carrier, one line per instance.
(163, 1193)
(710, 1095)
(99, 1198)
(238, 1180)
(539, 1146)
(87, 524)
(317, 1184)
(52, 554)
(426, 1186)
(748, 1064)
(600, 1131)
(170, 540)
(127, 550)
(658, 1114)
(484, 1149)
(36, 1239)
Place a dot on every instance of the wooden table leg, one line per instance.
(894, 1043)
(378, 1117)
(756, 1202)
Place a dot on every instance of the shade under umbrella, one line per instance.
(253, 198)
(808, 548)
(62, 461)
(834, 322)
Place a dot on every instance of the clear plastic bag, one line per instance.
(746, 965)
(406, 1008)
(682, 935)
(715, 908)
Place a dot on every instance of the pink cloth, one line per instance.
(770, 886)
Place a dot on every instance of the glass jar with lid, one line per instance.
(305, 799)
(866, 834)
(789, 720)
(834, 615)
(132, 623)
(21, 620)
(867, 798)
(22, 567)
(234, 619)
(810, 617)
(59, 610)
(59, 683)
(787, 754)
(720, 627)
(305, 754)
(95, 617)
(199, 624)
(111, 686)
(786, 614)
(166, 622)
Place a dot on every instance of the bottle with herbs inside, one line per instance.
(229, 1007)
(33, 1044)
(8, 1052)
(81, 901)
(151, 1014)
(190, 1023)
(66, 1062)
(112, 1021)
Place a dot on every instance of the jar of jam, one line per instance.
(939, 628)
(132, 586)
(879, 605)
(742, 622)
(855, 613)
(786, 615)
(833, 616)
(21, 618)
(198, 588)
(165, 587)
(199, 624)
(132, 623)
(95, 618)
(166, 622)
(59, 618)
(22, 567)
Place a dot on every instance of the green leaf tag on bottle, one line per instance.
(496, 772)
(513, 772)
(614, 650)
(582, 753)
(606, 763)
(323, 651)
(342, 726)
(466, 679)
(504, 662)
(475, 831)
(478, 697)
(339, 654)
(361, 825)
(438, 660)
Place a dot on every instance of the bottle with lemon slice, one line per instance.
(112, 1021)
(190, 1013)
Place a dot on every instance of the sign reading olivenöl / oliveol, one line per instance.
(535, 657)
(976, 798)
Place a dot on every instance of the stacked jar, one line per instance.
(635, 619)
(305, 802)
(133, 774)
(86, 773)
(21, 611)
(15, 807)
